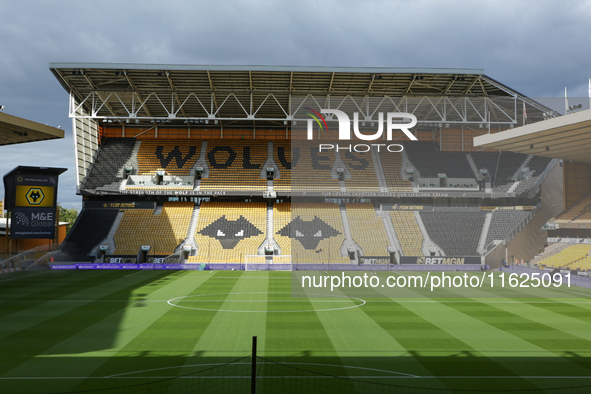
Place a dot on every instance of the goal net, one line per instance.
(267, 263)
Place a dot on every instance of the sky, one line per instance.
(535, 47)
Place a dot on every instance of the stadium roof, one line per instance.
(15, 130)
(565, 137)
(241, 95)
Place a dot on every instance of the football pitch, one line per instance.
(66, 331)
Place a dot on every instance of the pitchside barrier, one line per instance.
(271, 267)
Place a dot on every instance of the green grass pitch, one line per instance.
(63, 331)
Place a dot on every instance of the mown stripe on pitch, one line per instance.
(297, 337)
(23, 312)
(555, 341)
(19, 347)
(434, 348)
(169, 340)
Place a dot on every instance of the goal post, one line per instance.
(253, 262)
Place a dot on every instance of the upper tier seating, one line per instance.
(176, 157)
(456, 232)
(537, 166)
(310, 169)
(509, 163)
(282, 157)
(235, 165)
(392, 166)
(163, 232)
(503, 222)
(112, 156)
(229, 231)
(91, 227)
(575, 210)
(367, 229)
(363, 172)
(311, 233)
(430, 162)
(408, 232)
(487, 160)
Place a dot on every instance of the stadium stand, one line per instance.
(575, 211)
(503, 223)
(111, 158)
(567, 256)
(430, 162)
(582, 265)
(509, 163)
(311, 233)
(92, 226)
(228, 231)
(408, 232)
(367, 229)
(176, 157)
(235, 165)
(537, 165)
(163, 232)
(312, 170)
(392, 166)
(487, 160)
(457, 232)
(282, 156)
(363, 172)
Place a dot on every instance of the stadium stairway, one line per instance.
(339, 163)
(427, 241)
(477, 173)
(349, 242)
(201, 162)
(416, 173)
(380, 175)
(190, 239)
(484, 234)
(110, 238)
(270, 240)
(270, 162)
(132, 161)
(390, 232)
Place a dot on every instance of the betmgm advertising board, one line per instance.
(31, 195)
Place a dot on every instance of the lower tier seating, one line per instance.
(408, 232)
(91, 227)
(367, 229)
(229, 231)
(502, 223)
(311, 233)
(163, 232)
(567, 257)
(457, 233)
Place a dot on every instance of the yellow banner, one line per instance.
(34, 196)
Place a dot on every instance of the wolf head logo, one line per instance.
(230, 232)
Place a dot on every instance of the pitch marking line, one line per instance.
(25, 276)
(173, 300)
